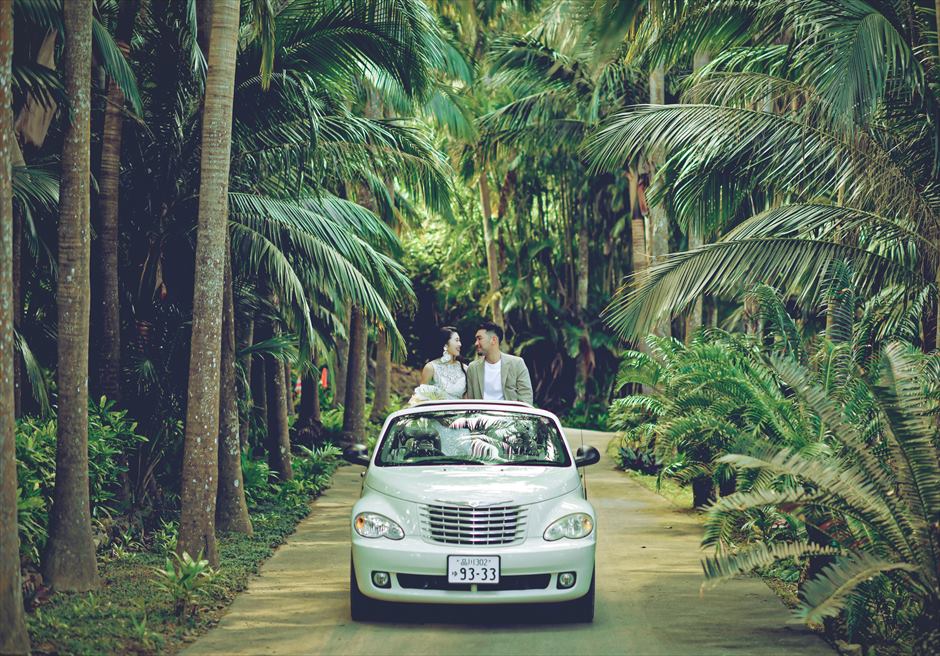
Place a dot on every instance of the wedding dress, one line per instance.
(449, 381)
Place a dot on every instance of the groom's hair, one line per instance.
(493, 328)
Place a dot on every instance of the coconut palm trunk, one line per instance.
(231, 510)
(200, 450)
(69, 561)
(109, 302)
(383, 377)
(342, 363)
(354, 414)
(244, 338)
(658, 239)
(693, 321)
(492, 251)
(16, 159)
(13, 636)
(278, 435)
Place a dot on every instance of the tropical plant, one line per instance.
(799, 160)
(878, 488)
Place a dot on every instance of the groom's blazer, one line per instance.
(517, 386)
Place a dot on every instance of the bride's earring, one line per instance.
(446, 357)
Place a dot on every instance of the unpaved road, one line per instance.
(648, 594)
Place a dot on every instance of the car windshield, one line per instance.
(473, 437)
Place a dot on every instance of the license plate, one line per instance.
(473, 569)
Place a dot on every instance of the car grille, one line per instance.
(518, 582)
(476, 526)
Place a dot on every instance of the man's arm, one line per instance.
(524, 383)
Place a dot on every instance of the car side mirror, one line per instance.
(357, 454)
(586, 455)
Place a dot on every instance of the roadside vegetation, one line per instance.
(229, 231)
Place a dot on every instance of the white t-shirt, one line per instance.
(493, 381)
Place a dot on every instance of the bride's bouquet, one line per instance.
(424, 393)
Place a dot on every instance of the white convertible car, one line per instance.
(473, 502)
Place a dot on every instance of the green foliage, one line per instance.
(186, 580)
(132, 614)
(832, 442)
(111, 434)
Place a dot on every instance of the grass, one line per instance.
(129, 614)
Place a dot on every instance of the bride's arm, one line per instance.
(427, 373)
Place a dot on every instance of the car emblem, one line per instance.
(475, 504)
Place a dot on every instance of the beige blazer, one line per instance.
(517, 386)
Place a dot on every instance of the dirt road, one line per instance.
(648, 594)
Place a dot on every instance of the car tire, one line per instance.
(361, 607)
(582, 610)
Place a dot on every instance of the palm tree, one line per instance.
(200, 454)
(69, 561)
(13, 636)
(109, 350)
(880, 493)
(231, 509)
(828, 156)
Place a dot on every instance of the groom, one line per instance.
(498, 376)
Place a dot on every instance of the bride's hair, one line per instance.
(444, 333)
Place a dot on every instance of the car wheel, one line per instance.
(582, 610)
(361, 607)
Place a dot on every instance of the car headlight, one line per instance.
(578, 525)
(374, 525)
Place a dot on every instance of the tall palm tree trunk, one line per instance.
(309, 424)
(693, 321)
(342, 363)
(658, 218)
(69, 562)
(231, 510)
(13, 636)
(109, 300)
(259, 386)
(200, 449)
(383, 376)
(278, 435)
(354, 414)
(244, 338)
(492, 251)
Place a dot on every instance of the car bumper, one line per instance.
(528, 571)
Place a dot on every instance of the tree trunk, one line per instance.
(342, 364)
(13, 636)
(17, 278)
(109, 298)
(693, 322)
(288, 389)
(200, 449)
(309, 425)
(383, 377)
(244, 338)
(69, 562)
(278, 436)
(231, 510)
(492, 251)
(658, 219)
(703, 491)
(354, 415)
(259, 387)
(585, 353)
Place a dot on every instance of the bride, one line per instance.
(443, 378)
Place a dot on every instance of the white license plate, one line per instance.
(473, 569)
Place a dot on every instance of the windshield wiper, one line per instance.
(444, 460)
(531, 461)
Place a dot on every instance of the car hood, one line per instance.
(485, 484)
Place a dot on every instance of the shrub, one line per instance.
(110, 435)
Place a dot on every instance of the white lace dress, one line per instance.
(449, 381)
